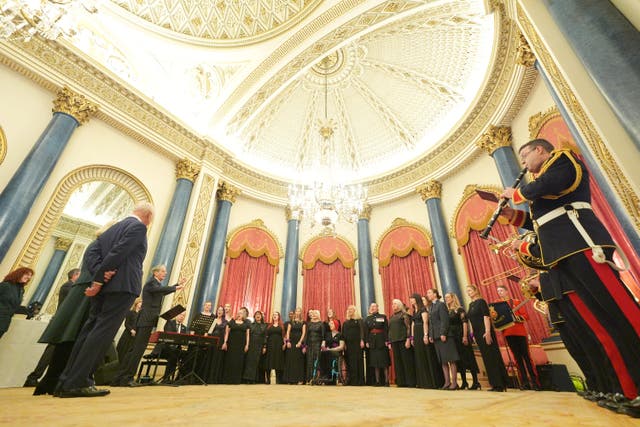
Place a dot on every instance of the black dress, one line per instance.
(215, 356)
(253, 369)
(467, 360)
(315, 336)
(424, 371)
(234, 357)
(275, 354)
(294, 357)
(353, 334)
(126, 339)
(491, 356)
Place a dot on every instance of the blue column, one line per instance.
(609, 193)
(52, 270)
(290, 282)
(186, 173)
(365, 263)
(431, 194)
(207, 289)
(70, 111)
(605, 41)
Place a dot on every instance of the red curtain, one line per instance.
(248, 282)
(328, 286)
(405, 276)
(482, 265)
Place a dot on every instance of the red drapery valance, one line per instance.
(328, 250)
(401, 241)
(256, 242)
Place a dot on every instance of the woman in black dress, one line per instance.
(485, 337)
(215, 355)
(353, 334)
(330, 357)
(400, 338)
(274, 359)
(201, 321)
(129, 334)
(314, 340)
(420, 318)
(294, 357)
(236, 345)
(11, 293)
(459, 326)
(254, 365)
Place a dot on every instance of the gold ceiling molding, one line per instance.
(53, 210)
(3, 145)
(529, 76)
(525, 54)
(222, 23)
(62, 244)
(196, 235)
(72, 227)
(624, 190)
(374, 16)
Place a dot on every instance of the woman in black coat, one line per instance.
(11, 293)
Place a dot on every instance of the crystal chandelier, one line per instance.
(326, 200)
(23, 19)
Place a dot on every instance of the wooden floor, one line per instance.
(283, 405)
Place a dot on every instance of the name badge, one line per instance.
(379, 319)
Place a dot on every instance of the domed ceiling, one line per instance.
(395, 79)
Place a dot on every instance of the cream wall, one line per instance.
(92, 143)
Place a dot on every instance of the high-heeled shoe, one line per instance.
(445, 387)
(475, 386)
(454, 388)
(464, 386)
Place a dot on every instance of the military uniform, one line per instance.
(576, 244)
(376, 336)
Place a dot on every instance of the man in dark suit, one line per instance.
(45, 359)
(152, 295)
(72, 276)
(118, 257)
(172, 352)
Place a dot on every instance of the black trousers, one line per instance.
(520, 349)
(44, 361)
(404, 364)
(129, 365)
(106, 314)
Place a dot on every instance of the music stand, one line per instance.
(172, 312)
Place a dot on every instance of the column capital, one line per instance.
(62, 244)
(227, 192)
(186, 169)
(525, 55)
(73, 104)
(366, 212)
(430, 190)
(495, 137)
(293, 213)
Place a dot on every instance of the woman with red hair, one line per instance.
(274, 359)
(11, 293)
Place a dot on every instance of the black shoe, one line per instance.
(83, 392)
(498, 389)
(30, 383)
(475, 386)
(464, 386)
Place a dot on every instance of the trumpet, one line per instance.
(504, 248)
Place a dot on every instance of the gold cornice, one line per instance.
(430, 190)
(68, 226)
(227, 192)
(624, 190)
(62, 244)
(400, 222)
(3, 145)
(51, 214)
(366, 212)
(495, 137)
(525, 54)
(469, 191)
(74, 104)
(256, 223)
(186, 169)
(540, 119)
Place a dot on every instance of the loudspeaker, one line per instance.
(555, 378)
